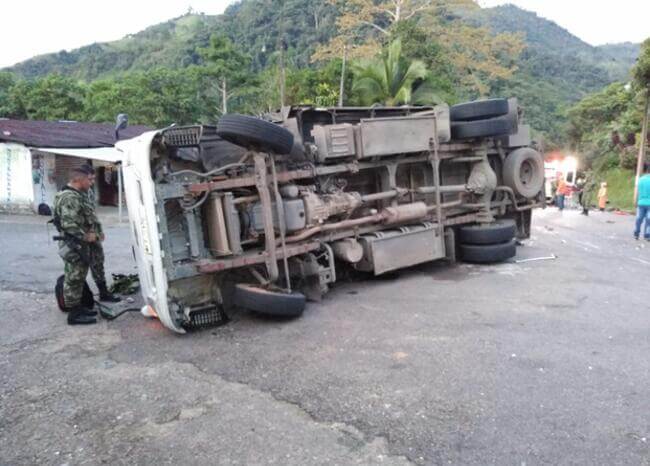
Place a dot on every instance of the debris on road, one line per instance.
(532, 259)
(125, 284)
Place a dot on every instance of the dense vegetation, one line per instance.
(262, 53)
(605, 129)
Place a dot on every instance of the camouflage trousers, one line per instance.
(76, 271)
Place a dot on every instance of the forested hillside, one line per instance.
(557, 69)
(171, 44)
(468, 52)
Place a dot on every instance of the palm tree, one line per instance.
(392, 80)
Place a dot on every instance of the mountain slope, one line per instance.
(555, 70)
(554, 53)
(171, 44)
(256, 25)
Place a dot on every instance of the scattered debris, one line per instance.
(125, 284)
(532, 259)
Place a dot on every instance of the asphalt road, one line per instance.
(529, 363)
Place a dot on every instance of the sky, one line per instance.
(596, 22)
(35, 27)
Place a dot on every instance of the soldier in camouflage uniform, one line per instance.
(81, 249)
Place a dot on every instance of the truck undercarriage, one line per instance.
(263, 214)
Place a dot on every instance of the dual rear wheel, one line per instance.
(488, 243)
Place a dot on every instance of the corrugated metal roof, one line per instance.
(64, 134)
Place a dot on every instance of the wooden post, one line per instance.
(119, 192)
(642, 145)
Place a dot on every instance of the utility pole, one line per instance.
(342, 86)
(283, 77)
(642, 145)
(283, 45)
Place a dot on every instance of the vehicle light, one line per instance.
(148, 311)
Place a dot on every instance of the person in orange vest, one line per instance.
(562, 191)
(602, 196)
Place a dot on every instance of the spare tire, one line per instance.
(274, 303)
(488, 253)
(500, 231)
(478, 110)
(255, 133)
(523, 171)
(498, 126)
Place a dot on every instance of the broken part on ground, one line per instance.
(266, 213)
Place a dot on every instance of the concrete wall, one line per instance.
(16, 185)
(44, 178)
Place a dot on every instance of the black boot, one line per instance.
(77, 316)
(88, 312)
(105, 295)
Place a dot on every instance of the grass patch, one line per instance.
(620, 187)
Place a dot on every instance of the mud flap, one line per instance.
(274, 303)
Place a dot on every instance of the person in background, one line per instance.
(602, 196)
(643, 206)
(562, 191)
(587, 193)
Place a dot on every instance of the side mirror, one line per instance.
(121, 122)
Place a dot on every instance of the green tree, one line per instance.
(418, 44)
(363, 25)
(230, 67)
(478, 57)
(641, 73)
(603, 123)
(51, 98)
(7, 82)
(392, 79)
(157, 98)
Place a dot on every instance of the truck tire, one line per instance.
(498, 126)
(488, 253)
(500, 231)
(523, 171)
(254, 133)
(478, 110)
(274, 303)
(219, 152)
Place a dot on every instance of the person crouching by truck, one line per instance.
(81, 248)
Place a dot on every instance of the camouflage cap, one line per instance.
(82, 170)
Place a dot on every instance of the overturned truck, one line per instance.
(265, 213)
